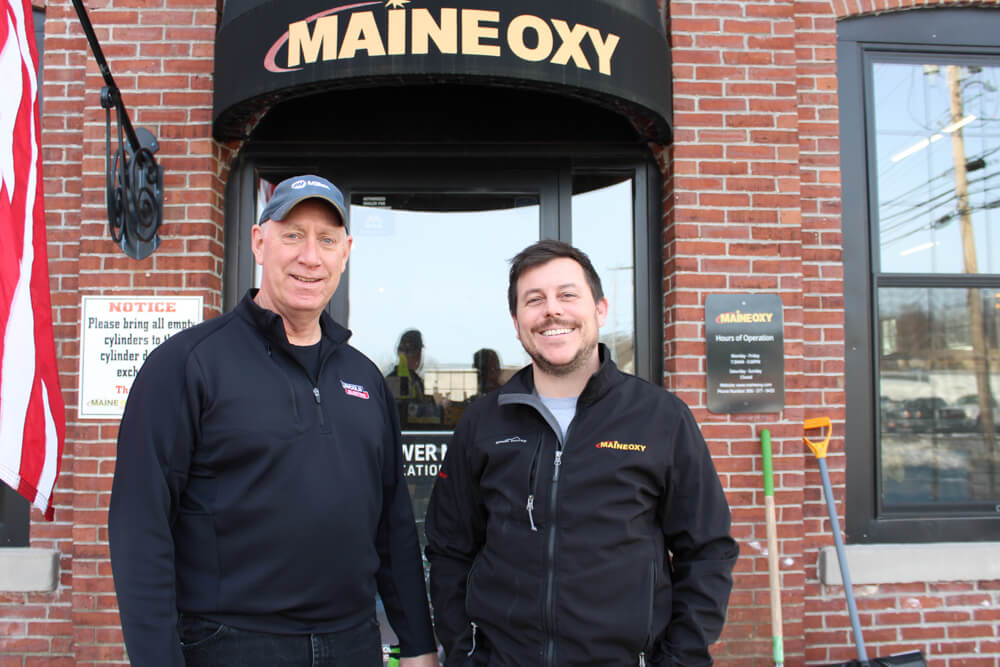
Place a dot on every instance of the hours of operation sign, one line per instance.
(744, 347)
(118, 333)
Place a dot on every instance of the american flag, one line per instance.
(32, 415)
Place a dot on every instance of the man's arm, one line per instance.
(456, 529)
(155, 441)
(400, 576)
(696, 522)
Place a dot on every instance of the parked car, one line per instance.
(927, 414)
(969, 404)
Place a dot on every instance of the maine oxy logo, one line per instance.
(621, 446)
(513, 440)
(355, 390)
(358, 30)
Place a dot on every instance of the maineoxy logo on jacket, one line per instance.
(513, 440)
(621, 446)
(354, 390)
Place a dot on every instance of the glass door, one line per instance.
(425, 291)
(427, 294)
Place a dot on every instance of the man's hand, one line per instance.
(425, 660)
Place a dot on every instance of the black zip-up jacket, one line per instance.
(253, 494)
(554, 553)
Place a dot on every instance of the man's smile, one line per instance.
(556, 332)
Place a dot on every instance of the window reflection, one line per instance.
(428, 293)
(602, 228)
(939, 378)
(937, 144)
(428, 285)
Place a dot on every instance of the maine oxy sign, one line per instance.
(611, 51)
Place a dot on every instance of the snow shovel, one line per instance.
(910, 659)
(778, 646)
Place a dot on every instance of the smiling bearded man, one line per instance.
(578, 518)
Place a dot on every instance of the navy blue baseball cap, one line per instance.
(296, 190)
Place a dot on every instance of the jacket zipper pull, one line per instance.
(642, 659)
(474, 628)
(316, 394)
(558, 462)
(531, 508)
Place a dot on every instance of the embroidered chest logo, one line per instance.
(621, 446)
(513, 440)
(355, 390)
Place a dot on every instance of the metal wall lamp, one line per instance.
(134, 179)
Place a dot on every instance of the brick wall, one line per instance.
(161, 55)
(751, 203)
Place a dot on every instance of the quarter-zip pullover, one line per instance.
(254, 493)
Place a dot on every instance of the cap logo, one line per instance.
(301, 183)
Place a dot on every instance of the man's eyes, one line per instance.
(566, 296)
(298, 236)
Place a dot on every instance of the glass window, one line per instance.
(602, 227)
(428, 294)
(937, 136)
(939, 378)
(920, 149)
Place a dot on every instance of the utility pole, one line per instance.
(980, 348)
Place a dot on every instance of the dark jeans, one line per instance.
(209, 644)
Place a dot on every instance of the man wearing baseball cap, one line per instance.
(258, 502)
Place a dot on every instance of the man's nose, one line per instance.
(553, 306)
(310, 251)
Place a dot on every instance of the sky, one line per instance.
(919, 228)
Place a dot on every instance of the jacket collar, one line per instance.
(273, 329)
(599, 384)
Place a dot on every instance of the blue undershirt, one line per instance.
(563, 409)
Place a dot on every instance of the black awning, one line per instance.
(610, 52)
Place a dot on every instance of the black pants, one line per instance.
(209, 644)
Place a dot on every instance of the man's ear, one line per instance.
(517, 332)
(347, 255)
(602, 311)
(257, 242)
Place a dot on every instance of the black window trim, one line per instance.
(964, 33)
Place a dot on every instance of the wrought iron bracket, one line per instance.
(134, 180)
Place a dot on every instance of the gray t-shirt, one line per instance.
(563, 409)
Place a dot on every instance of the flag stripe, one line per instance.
(32, 426)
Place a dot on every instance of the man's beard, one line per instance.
(579, 360)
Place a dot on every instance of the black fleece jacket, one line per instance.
(611, 548)
(253, 494)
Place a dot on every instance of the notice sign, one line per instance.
(118, 333)
(745, 353)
